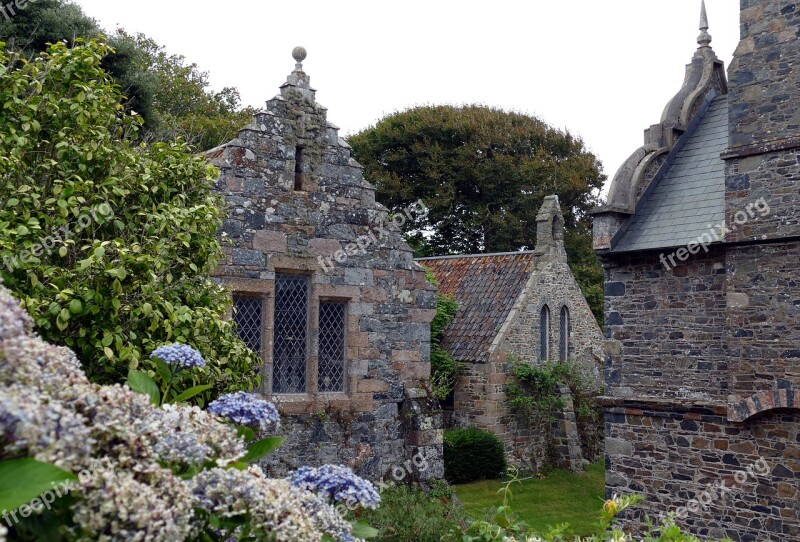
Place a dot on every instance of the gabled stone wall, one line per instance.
(298, 203)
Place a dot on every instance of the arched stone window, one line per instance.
(563, 343)
(544, 334)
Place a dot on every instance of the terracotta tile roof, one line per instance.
(486, 288)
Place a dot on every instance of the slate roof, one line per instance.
(486, 287)
(691, 194)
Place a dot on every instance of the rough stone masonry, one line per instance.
(298, 211)
(703, 360)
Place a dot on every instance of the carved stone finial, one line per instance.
(704, 39)
(299, 54)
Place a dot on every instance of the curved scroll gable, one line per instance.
(764, 401)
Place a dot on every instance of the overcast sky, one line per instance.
(604, 70)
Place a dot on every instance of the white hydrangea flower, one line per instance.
(116, 506)
(50, 411)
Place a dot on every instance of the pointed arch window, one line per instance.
(544, 334)
(563, 343)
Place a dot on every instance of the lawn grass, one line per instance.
(561, 497)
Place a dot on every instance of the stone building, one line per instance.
(700, 239)
(327, 292)
(522, 304)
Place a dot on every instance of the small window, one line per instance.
(563, 345)
(248, 316)
(298, 168)
(291, 324)
(331, 346)
(544, 334)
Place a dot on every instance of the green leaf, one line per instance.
(261, 448)
(163, 370)
(245, 432)
(75, 306)
(363, 530)
(191, 392)
(22, 480)
(142, 383)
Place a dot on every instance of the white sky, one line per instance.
(604, 70)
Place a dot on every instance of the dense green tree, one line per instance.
(183, 105)
(107, 241)
(483, 173)
(172, 96)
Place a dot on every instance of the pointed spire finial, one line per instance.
(704, 39)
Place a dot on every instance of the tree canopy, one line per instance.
(483, 173)
(107, 241)
(172, 96)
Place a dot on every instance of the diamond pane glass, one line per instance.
(544, 334)
(289, 351)
(563, 347)
(247, 313)
(331, 347)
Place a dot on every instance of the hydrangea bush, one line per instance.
(247, 409)
(51, 412)
(337, 484)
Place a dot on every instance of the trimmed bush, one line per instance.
(472, 454)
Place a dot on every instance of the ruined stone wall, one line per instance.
(297, 203)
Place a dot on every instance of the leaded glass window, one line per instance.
(331, 346)
(544, 334)
(289, 345)
(248, 316)
(563, 346)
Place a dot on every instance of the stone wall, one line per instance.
(723, 479)
(764, 75)
(553, 284)
(298, 203)
(703, 361)
(666, 327)
(764, 154)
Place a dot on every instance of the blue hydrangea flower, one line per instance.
(181, 356)
(247, 409)
(337, 484)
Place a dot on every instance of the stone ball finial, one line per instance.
(299, 54)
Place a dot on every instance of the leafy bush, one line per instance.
(136, 471)
(534, 399)
(408, 514)
(109, 244)
(444, 368)
(472, 454)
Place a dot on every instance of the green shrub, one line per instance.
(444, 367)
(472, 454)
(407, 514)
(108, 243)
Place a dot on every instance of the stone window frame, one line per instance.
(350, 296)
(545, 335)
(564, 337)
